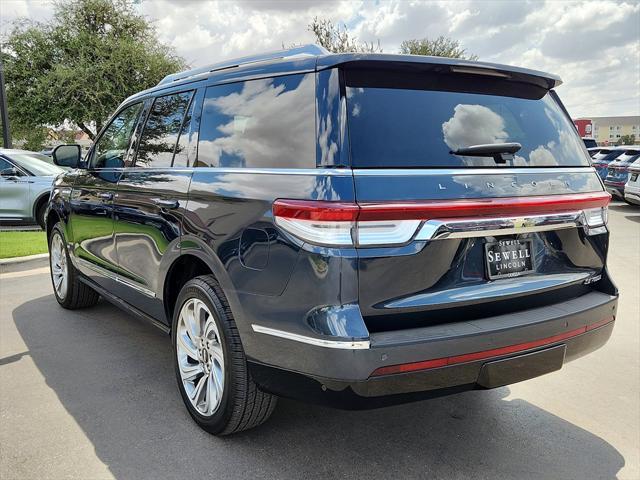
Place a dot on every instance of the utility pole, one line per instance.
(6, 133)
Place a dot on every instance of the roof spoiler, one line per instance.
(310, 50)
(440, 65)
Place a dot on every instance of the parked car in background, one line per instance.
(632, 188)
(618, 172)
(25, 183)
(589, 142)
(593, 151)
(350, 229)
(604, 157)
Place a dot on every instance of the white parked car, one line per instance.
(25, 182)
(632, 187)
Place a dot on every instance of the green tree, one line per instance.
(440, 47)
(627, 140)
(80, 65)
(337, 39)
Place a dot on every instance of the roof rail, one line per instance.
(303, 50)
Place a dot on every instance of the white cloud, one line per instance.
(593, 45)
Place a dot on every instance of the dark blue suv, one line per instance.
(355, 230)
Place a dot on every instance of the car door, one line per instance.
(151, 199)
(14, 191)
(91, 205)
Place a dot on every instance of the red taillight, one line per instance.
(485, 354)
(391, 223)
(316, 210)
(483, 207)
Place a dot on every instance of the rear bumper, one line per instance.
(632, 195)
(616, 189)
(442, 359)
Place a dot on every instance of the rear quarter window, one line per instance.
(266, 123)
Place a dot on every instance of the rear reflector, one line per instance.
(394, 223)
(486, 354)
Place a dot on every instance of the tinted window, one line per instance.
(160, 134)
(416, 127)
(4, 165)
(259, 123)
(112, 146)
(180, 158)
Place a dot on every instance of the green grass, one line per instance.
(19, 244)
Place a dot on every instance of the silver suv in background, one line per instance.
(25, 183)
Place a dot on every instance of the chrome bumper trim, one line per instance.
(486, 227)
(318, 342)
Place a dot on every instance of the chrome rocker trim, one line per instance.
(106, 273)
(318, 342)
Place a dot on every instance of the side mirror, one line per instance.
(67, 155)
(10, 172)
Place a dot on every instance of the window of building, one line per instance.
(160, 134)
(267, 123)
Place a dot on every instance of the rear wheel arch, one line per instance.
(183, 269)
(40, 202)
(52, 219)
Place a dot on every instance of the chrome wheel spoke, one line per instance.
(199, 391)
(190, 371)
(187, 344)
(212, 394)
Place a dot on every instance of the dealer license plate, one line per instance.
(509, 258)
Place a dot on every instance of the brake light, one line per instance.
(394, 223)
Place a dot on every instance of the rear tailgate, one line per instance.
(490, 234)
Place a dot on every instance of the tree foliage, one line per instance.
(337, 39)
(80, 65)
(440, 47)
(627, 140)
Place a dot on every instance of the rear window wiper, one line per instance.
(501, 152)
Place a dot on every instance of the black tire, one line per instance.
(41, 208)
(243, 405)
(78, 294)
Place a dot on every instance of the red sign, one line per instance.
(585, 127)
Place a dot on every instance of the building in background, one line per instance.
(610, 130)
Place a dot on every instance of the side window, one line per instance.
(4, 165)
(266, 123)
(180, 158)
(160, 133)
(112, 146)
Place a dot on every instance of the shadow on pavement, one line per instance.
(113, 374)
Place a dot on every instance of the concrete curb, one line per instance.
(18, 264)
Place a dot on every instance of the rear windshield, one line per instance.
(416, 127)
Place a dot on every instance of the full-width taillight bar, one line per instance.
(391, 223)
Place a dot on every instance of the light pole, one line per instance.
(6, 133)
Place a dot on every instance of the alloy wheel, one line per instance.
(200, 356)
(59, 267)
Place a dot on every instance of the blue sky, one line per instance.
(594, 46)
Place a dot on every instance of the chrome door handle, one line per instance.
(166, 203)
(106, 196)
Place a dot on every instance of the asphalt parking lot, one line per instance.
(91, 394)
